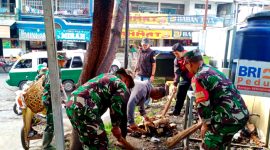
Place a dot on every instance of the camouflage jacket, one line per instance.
(219, 102)
(106, 91)
(46, 97)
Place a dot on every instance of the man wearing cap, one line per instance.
(146, 64)
(41, 70)
(183, 84)
(46, 98)
(142, 90)
(91, 100)
(219, 104)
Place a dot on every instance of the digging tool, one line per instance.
(183, 134)
(168, 104)
(126, 144)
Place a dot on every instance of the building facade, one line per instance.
(73, 24)
(166, 22)
(8, 32)
(22, 25)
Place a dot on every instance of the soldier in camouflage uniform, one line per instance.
(41, 70)
(91, 100)
(46, 98)
(219, 104)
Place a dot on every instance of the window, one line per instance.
(144, 7)
(11, 43)
(72, 7)
(7, 7)
(74, 45)
(43, 61)
(201, 6)
(61, 7)
(68, 63)
(172, 8)
(24, 63)
(77, 62)
(32, 7)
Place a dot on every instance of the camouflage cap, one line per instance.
(193, 55)
(40, 67)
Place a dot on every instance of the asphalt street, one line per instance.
(10, 123)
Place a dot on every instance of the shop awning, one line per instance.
(7, 22)
(5, 26)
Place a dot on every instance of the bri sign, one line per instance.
(253, 78)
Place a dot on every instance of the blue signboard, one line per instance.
(31, 34)
(71, 35)
(179, 19)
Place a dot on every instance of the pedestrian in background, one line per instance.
(182, 78)
(133, 51)
(146, 64)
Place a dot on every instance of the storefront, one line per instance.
(68, 35)
(166, 30)
(8, 38)
(160, 37)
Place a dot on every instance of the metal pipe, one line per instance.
(127, 38)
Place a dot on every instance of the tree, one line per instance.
(104, 44)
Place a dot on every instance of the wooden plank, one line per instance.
(54, 73)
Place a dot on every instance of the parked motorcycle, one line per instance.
(19, 105)
(33, 123)
(6, 65)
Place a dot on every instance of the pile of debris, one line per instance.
(248, 135)
(157, 127)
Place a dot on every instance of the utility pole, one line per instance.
(205, 15)
(127, 38)
(203, 44)
(54, 73)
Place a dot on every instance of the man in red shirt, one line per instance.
(182, 85)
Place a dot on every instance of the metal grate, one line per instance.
(62, 7)
(32, 7)
(73, 7)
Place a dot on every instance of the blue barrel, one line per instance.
(253, 41)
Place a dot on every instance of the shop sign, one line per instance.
(182, 34)
(71, 35)
(61, 35)
(29, 34)
(4, 31)
(6, 44)
(138, 18)
(253, 78)
(152, 34)
(196, 20)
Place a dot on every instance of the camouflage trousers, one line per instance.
(49, 119)
(86, 120)
(219, 138)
